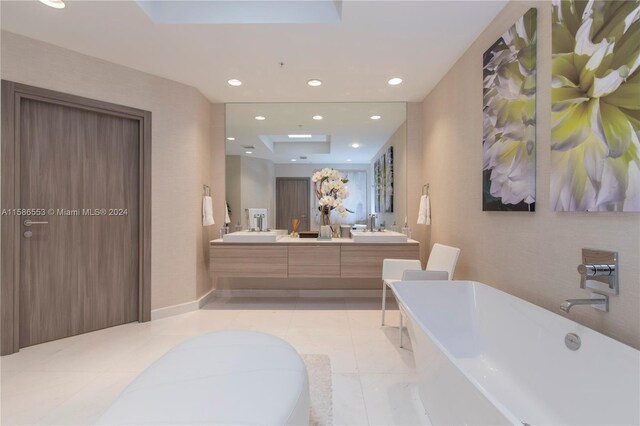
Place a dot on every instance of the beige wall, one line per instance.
(183, 122)
(234, 189)
(258, 182)
(415, 178)
(531, 255)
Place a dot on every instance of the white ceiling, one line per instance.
(375, 40)
(342, 123)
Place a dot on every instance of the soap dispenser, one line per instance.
(405, 229)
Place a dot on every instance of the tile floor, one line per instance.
(72, 381)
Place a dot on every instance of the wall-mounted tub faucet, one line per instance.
(599, 271)
(597, 301)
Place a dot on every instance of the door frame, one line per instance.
(290, 178)
(12, 96)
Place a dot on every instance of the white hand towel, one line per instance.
(424, 212)
(227, 219)
(207, 211)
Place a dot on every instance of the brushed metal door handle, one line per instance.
(30, 222)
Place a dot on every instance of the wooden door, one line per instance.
(79, 267)
(292, 202)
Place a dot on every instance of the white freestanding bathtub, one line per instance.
(486, 357)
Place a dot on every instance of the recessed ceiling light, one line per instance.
(56, 4)
(293, 159)
(355, 145)
(375, 117)
(317, 117)
(395, 81)
(299, 136)
(231, 139)
(234, 82)
(248, 152)
(260, 117)
(349, 160)
(314, 82)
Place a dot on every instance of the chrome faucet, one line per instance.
(598, 301)
(372, 221)
(259, 218)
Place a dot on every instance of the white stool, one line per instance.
(227, 377)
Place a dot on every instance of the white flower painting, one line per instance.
(509, 122)
(595, 115)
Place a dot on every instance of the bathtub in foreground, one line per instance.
(486, 357)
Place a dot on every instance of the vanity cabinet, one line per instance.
(365, 261)
(314, 261)
(331, 259)
(249, 260)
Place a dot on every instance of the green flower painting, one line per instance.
(595, 123)
(509, 118)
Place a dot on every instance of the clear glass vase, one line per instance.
(325, 216)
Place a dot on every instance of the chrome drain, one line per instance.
(573, 342)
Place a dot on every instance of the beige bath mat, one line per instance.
(320, 389)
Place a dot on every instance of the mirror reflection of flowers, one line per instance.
(330, 189)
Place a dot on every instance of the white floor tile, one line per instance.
(377, 351)
(28, 396)
(86, 406)
(262, 319)
(372, 319)
(73, 380)
(335, 342)
(29, 359)
(92, 354)
(348, 403)
(141, 356)
(330, 318)
(392, 399)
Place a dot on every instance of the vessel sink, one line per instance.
(378, 237)
(255, 236)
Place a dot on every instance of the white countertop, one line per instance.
(289, 240)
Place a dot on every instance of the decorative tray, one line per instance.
(309, 234)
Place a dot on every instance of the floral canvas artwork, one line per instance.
(383, 182)
(388, 181)
(595, 122)
(377, 178)
(509, 119)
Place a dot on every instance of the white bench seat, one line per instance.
(227, 377)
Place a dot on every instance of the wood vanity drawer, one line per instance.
(365, 261)
(268, 261)
(314, 261)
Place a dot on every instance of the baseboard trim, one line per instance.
(226, 293)
(182, 308)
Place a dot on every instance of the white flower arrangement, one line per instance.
(330, 188)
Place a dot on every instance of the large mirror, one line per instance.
(274, 149)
